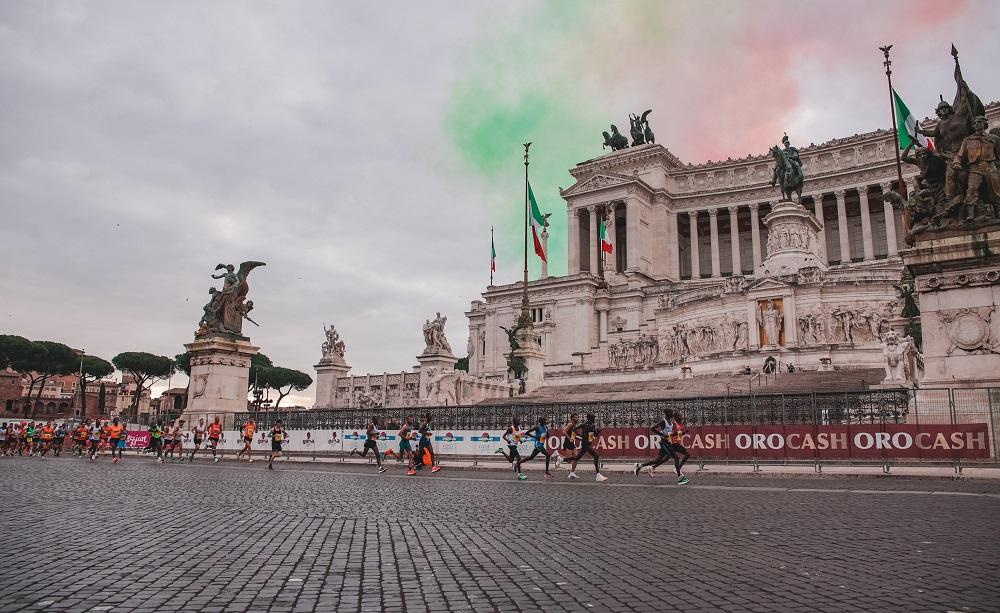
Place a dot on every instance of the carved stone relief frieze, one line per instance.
(220, 360)
(686, 340)
(852, 324)
(972, 330)
(632, 353)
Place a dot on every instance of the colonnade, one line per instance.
(584, 247)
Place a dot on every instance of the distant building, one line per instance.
(60, 397)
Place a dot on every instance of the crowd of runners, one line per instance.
(95, 438)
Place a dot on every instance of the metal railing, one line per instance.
(870, 407)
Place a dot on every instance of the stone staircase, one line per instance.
(799, 382)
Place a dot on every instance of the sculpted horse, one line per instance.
(615, 140)
(787, 175)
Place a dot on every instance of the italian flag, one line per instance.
(493, 254)
(906, 125)
(606, 245)
(537, 223)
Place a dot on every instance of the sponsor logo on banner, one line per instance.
(448, 438)
(137, 439)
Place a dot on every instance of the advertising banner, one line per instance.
(792, 442)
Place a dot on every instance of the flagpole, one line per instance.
(525, 319)
(492, 257)
(895, 133)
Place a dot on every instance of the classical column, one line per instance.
(545, 250)
(673, 238)
(611, 226)
(755, 234)
(866, 223)
(890, 222)
(594, 246)
(632, 234)
(734, 239)
(845, 244)
(818, 211)
(573, 242)
(713, 227)
(695, 258)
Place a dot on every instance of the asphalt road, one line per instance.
(139, 536)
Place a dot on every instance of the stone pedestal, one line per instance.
(534, 358)
(431, 364)
(958, 287)
(327, 372)
(792, 241)
(220, 375)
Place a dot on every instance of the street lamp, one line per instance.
(83, 399)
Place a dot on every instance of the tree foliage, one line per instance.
(258, 362)
(463, 364)
(183, 362)
(145, 369)
(17, 351)
(283, 381)
(40, 360)
(92, 369)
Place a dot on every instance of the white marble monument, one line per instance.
(220, 374)
(331, 366)
(958, 285)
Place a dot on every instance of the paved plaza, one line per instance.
(139, 536)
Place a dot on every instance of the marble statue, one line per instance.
(228, 307)
(787, 172)
(333, 345)
(434, 335)
(771, 319)
(894, 354)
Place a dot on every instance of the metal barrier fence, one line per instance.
(937, 406)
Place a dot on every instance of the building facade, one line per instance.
(688, 288)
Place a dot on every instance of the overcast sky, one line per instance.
(363, 150)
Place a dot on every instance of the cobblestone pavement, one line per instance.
(84, 536)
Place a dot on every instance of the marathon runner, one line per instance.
(94, 435)
(248, 429)
(540, 433)
(116, 432)
(60, 438)
(277, 436)
(156, 440)
(48, 434)
(426, 444)
(371, 443)
(198, 431)
(680, 452)
(177, 444)
(214, 434)
(513, 438)
(405, 447)
(589, 432)
(662, 428)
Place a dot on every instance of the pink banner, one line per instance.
(137, 439)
